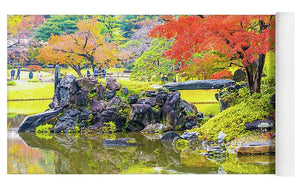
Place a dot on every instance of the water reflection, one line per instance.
(85, 154)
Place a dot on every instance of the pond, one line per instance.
(84, 153)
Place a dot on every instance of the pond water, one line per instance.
(85, 154)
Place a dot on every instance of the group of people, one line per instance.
(96, 72)
(12, 74)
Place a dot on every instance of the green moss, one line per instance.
(131, 141)
(244, 109)
(11, 83)
(182, 144)
(109, 128)
(43, 128)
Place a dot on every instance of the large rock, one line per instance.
(132, 99)
(31, 122)
(125, 91)
(156, 128)
(171, 109)
(161, 98)
(108, 116)
(199, 84)
(260, 125)
(190, 136)
(98, 106)
(101, 91)
(124, 142)
(86, 83)
(169, 136)
(188, 108)
(112, 84)
(82, 98)
(110, 94)
(148, 100)
(256, 148)
(114, 104)
(64, 92)
(239, 75)
(140, 116)
(67, 121)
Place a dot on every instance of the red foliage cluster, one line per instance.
(34, 67)
(224, 74)
(237, 37)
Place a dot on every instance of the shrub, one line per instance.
(244, 108)
(11, 83)
(9, 66)
(43, 128)
(34, 67)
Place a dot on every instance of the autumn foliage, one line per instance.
(85, 47)
(34, 67)
(242, 39)
(224, 74)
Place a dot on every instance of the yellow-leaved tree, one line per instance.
(86, 47)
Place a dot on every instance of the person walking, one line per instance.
(30, 75)
(88, 74)
(18, 73)
(96, 72)
(12, 74)
(103, 72)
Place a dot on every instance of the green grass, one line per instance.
(26, 90)
(202, 96)
(29, 90)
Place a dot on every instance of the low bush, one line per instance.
(34, 67)
(11, 83)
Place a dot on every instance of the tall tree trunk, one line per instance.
(254, 73)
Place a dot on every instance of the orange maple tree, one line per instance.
(243, 39)
(86, 47)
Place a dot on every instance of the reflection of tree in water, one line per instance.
(86, 154)
(16, 120)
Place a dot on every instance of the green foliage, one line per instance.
(9, 66)
(43, 128)
(135, 87)
(270, 65)
(57, 25)
(109, 128)
(182, 144)
(11, 83)
(244, 108)
(152, 65)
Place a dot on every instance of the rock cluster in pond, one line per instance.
(87, 104)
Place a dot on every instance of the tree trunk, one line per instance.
(254, 74)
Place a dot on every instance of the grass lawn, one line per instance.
(202, 96)
(26, 90)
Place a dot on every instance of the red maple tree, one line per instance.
(245, 40)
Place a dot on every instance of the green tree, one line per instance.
(152, 65)
(58, 25)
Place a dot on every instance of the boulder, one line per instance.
(150, 93)
(199, 84)
(161, 98)
(169, 136)
(256, 148)
(101, 91)
(239, 75)
(190, 136)
(64, 90)
(171, 109)
(107, 116)
(125, 91)
(124, 142)
(112, 84)
(200, 115)
(114, 104)
(140, 116)
(31, 122)
(110, 94)
(148, 100)
(98, 106)
(221, 137)
(187, 108)
(82, 98)
(260, 125)
(86, 83)
(132, 99)
(156, 128)
(67, 121)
